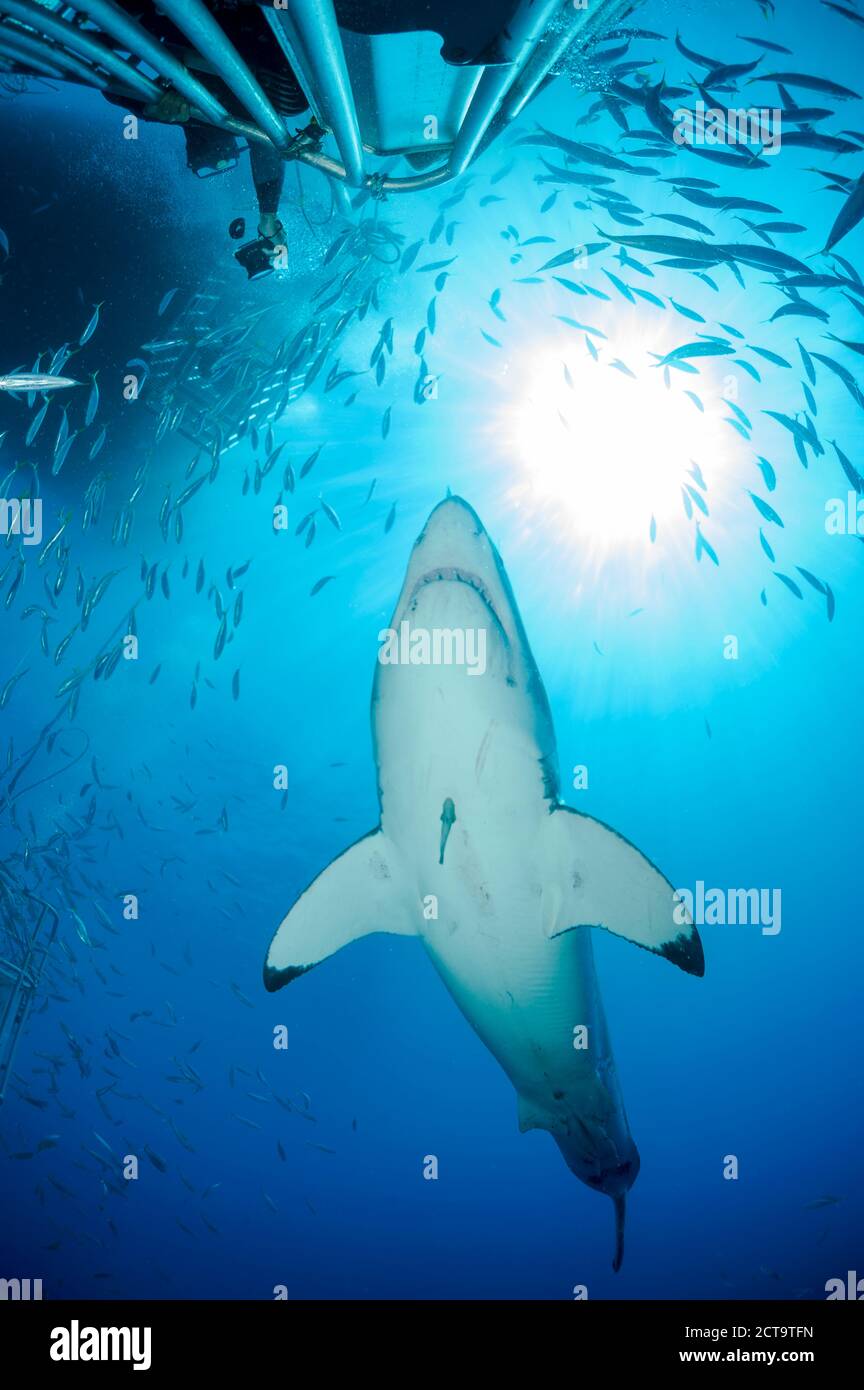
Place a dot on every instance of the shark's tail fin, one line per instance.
(620, 1203)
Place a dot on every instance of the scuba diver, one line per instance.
(210, 150)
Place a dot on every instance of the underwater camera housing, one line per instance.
(262, 256)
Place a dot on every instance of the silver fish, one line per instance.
(29, 381)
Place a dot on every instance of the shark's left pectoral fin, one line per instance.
(598, 879)
(361, 892)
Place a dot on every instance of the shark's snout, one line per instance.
(453, 536)
(453, 565)
(454, 516)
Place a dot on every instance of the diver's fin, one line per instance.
(620, 1201)
(598, 879)
(361, 892)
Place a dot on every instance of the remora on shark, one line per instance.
(468, 787)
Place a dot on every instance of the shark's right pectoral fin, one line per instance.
(361, 892)
(598, 879)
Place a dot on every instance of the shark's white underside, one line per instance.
(517, 876)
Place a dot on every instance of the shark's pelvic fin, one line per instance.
(530, 1116)
(361, 892)
(601, 880)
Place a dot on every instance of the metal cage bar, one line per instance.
(308, 33)
(45, 22)
(128, 32)
(525, 31)
(45, 58)
(575, 26)
(211, 41)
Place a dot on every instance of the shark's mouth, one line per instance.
(451, 574)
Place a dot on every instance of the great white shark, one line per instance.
(472, 821)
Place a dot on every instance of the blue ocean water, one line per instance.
(714, 707)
